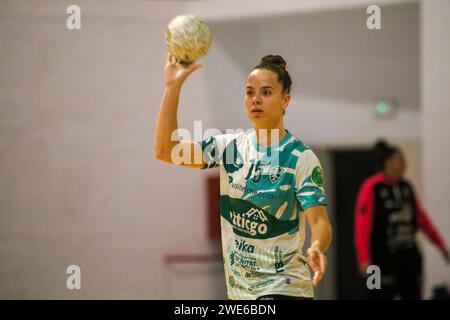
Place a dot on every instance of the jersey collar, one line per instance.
(269, 148)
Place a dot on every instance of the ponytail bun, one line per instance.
(383, 151)
(273, 59)
(381, 146)
(276, 64)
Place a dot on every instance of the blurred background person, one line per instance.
(388, 216)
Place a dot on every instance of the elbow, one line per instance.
(161, 154)
(159, 157)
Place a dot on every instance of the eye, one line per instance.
(267, 93)
(249, 92)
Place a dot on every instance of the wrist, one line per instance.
(315, 245)
(173, 87)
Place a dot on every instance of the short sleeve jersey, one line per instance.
(263, 195)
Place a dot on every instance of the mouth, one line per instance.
(256, 111)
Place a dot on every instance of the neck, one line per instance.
(270, 136)
(391, 175)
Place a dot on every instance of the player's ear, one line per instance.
(286, 100)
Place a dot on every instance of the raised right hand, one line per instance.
(175, 73)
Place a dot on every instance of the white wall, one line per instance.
(339, 70)
(78, 179)
(218, 10)
(435, 122)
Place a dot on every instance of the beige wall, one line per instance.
(435, 102)
(78, 180)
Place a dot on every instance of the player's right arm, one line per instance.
(167, 149)
(364, 213)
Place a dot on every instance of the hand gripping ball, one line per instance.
(188, 38)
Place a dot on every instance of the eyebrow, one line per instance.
(265, 87)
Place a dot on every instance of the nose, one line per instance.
(256, 100)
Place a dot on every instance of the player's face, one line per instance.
(264, 99)
(397, 164)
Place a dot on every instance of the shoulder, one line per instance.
(304, 154)
(371, 182)
(307, 164)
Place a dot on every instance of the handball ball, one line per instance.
(188, 38)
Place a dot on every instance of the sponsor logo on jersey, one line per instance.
(384, 193)
(253, 191)
(259, 213)
(232, 260)
(243, 261)
(261, 285)
(275, 173)
(251, 222)
(317, 176)
(244, 246)
(279, 265)
(231, 281)
(405, 215)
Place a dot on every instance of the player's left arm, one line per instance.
(321, 236)
(431, 231)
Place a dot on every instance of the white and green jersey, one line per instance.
(263, 193)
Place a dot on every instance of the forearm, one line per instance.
(321, 235)
(428, 227)
(167, 123)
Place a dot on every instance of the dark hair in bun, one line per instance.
(276, 63)
(275, 59)
(383, 151)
